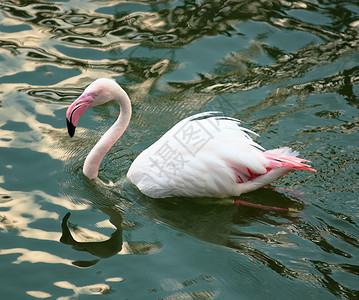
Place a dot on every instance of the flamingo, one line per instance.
(205, 155)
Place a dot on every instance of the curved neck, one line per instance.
(98, 152)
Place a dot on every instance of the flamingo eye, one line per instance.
(95, 93)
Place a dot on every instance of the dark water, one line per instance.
(288, 69)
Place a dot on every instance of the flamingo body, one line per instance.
(205, 155)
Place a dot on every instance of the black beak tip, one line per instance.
(70, 128)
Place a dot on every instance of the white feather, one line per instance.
(194, 159)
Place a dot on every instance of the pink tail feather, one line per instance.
(285, 157)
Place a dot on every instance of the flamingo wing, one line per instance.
(205, 155)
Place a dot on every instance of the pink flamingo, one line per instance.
(205, 155)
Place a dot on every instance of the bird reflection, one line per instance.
(209, 220)
(220, 222)
(107, 248)
(113, 205)
(102, 249)
(239, 227)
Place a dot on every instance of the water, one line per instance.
(288, 69)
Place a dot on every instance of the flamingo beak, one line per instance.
(76, 109)
(70, 128)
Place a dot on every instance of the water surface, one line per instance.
(288, 69)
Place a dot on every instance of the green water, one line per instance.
(288, 69)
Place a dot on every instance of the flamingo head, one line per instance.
(98, 92)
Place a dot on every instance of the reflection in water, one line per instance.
(103, 249)
(220, 224)
(107, 248)
(226, 225)
(113, 206)
(209, 220)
